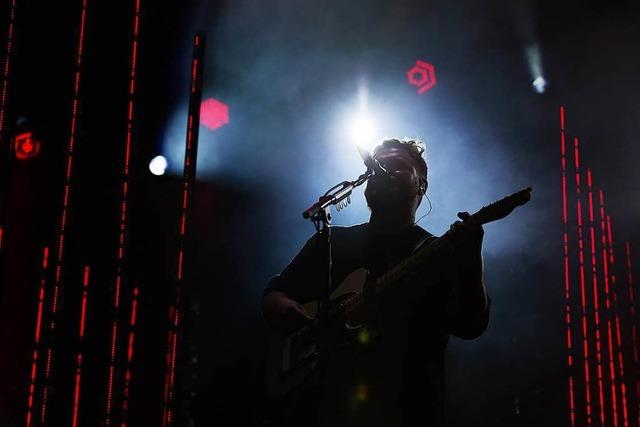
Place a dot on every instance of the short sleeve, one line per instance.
(302, 279)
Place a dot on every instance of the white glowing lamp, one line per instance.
(158, 165)
(539, 84)
(362, 131)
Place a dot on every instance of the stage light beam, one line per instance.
(533, 56)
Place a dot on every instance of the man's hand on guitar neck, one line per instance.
(284, 314)
(468, 235)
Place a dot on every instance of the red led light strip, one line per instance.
(619, 344)
(609, 306)
(171, 366)
(123, 214)
(37, 335)
(130, 347)
(6, 68)
(634, 319)
(596, 305)
(567, 292)
(83, 318)
(62, 229)
(190, 160)
(583, 297)
(5, 82)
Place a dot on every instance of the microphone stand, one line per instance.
(320, 215)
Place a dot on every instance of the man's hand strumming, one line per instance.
(284, 314)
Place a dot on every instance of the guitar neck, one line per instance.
(411, 263)
(492, 212)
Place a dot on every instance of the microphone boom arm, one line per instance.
(336, 195)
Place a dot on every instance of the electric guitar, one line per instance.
(292, 359)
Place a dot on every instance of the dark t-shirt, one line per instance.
(396, 379)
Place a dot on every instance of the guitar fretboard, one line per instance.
(492, 212)
(396, 273)
(411, 263)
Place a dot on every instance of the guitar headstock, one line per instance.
(501, 208)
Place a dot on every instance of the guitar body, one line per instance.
(291, 359)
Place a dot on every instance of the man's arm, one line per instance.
(298, 283)
(467, 313)
(282, 313)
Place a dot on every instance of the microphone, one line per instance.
(371, 163)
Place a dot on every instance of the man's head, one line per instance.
(408, 176)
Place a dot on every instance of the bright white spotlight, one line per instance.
(539, 84)
(158, 165)
(362, 130)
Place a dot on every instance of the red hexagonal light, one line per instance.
(213, 113)
(26, 146)
(422, 75)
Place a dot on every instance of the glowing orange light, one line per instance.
(362, 393)
(363, 336)
(25, 146)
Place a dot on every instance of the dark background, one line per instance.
(291, 73)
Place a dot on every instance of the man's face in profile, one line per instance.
(400, 187)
